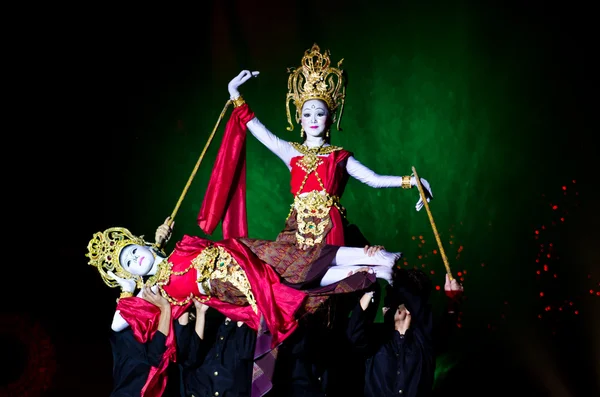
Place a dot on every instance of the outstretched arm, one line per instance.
(279, 147)
(357, 331)
(369, 177)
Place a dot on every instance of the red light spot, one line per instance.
(574, 181)
(459, 274)
(562, 219)
(555, 207)
(462, 279)
(420, 256)
(460, 248)
(405, 263)
(576, 311)
(592, 291)
(537, 232)
(564, 188)
(597, 293)
(541, 294)
(537, 261)
(547, 308)
(434, 252)
(555, 275)
(464, 272)
(432, 272)
(437, 287)
(538, 272)
(545, 268)
(420, 237)
(539, 316)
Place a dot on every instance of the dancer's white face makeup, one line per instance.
(314, 118)
(137, 259)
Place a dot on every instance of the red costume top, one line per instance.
(330, 174)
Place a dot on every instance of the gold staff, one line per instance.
(435, 232)
(189, 182)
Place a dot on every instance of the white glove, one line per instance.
(426, 188)
(238, 80)
(127, 284)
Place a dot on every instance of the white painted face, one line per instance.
(137, 259)
(315, 117)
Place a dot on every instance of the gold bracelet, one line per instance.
(126, 294)
(406, 182)
(237, 102)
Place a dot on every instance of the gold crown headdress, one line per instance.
(104, 250)
(316, 79)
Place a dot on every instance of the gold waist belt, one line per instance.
(215, 262)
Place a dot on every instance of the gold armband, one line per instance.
(125, 294)
(237, 102)
(406, 182)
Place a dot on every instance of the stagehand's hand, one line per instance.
(371, 250)
(238, 80)
(126, 284)
(426, 189)
(164, 232)
(156, 298)
(201, 308)
(366, 300)
(453, 289)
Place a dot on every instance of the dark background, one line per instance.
(493, 104)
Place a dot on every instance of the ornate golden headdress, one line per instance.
(316, 79)
(104, 250)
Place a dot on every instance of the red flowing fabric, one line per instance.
(142, 317)
(225, 198)
(276, 302)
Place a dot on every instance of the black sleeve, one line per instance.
(155, 348)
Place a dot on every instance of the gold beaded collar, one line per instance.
(319, 151)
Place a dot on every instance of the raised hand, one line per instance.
(453, 288)
(155, 298)
(371, 250)
(426, 190)
(238, 80)
(164, 232)
(200, 307)
(366, 300)
(126, 284)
